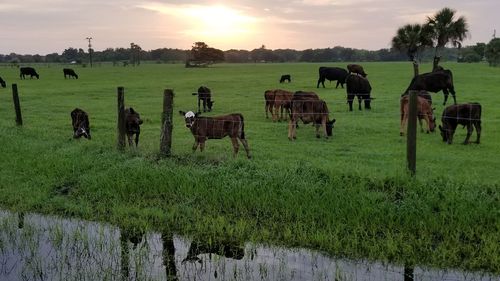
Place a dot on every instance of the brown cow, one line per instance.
(269, 97)
(132, 125)
(217, 127)
(424, 111)
(307, 107)
(468, 114)
(356, 68)
(282, 100)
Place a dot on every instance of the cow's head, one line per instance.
(2, 83)
(81, 132)
(189, 117)
(446, 133)
(132, 121)
(329, 127)
(210, 103)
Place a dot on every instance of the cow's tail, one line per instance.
(242, 132)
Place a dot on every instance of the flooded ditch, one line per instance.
(35, 247)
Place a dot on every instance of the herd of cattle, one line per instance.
(304, 106)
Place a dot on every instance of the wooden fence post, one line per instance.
(166, 121)
(17, 105)
(121, 118)
(411, 140)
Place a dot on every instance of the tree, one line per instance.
(412, 39)
(447, 30)
(492, 52)
(201, 53)
(135, 54)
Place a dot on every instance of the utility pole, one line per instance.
(90, 50)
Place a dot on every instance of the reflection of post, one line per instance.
(20, 220)
(169, 256)
(408, 275)
(124, 255)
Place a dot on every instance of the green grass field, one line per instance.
(349, 195)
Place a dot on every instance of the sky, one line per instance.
(51, 26)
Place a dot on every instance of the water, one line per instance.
(35, 247)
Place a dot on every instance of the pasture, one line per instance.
(349, 195)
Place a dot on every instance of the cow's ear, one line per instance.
(333, 121)
(182, 113)
(132, 111)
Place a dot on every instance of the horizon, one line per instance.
(51, 26)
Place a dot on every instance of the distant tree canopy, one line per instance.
(202, 53)
(492, 52)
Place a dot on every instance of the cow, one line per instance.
(227, 250)
(307, 107)
(2, 83)
(285, 77)
(81, 124)
(28, 71)
(217, 127)
(133, 123)
(434, 82)
(204, 95)
(424, 111)
(282, 100)
(356, 68)
(468, 114)
(332, 74)
(359, 86)
(68, 72)
(269, 97)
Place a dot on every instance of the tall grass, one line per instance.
(349, 195)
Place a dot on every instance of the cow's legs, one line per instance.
(446, 93)
(317, 130)
(281, 113)
(236, 146)
(404, 119)
(136, 139)
(350, 99)
(204, 105)
(359, 102)
(266, 108)
(452, 91)
(469, 133)
(245, 145)
(202, 145)
(199, 100)
(338, 82)
(291, 128)
(195, 145)
(477, 125)
(129, 137)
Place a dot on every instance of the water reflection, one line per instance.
(34, 247)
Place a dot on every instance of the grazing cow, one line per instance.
(282, 100)
(204, 95)
(424, 111)
(2, 83)
(468, 114)
(217, 127)
(81, 124)
(356, 68)
(133, 123)
(332, 74)
(358, 86)
(222, 249)
(434, 82)
(28, 71)
(307, 107)
(269, 97)
(68, 72)
(285, 77)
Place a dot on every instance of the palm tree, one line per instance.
(412, 39)
(447, 30)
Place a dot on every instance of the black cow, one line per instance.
(204, 95)
(133, 123)
(2, 83)
(332, 74)
(434, 82)
(81, 124)
(468, 114)
(285, 77)
(356, 68)
(358, 86)
(28, 71)
(223, 249)
(68, 72)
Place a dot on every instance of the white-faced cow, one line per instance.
(28, 71)
(468, 115)
(269, 98)
(333, 74)
(217, 127)
(424, 111)
(307, 106)
(204, 96)
(359, 86)
(69, 73)
(440, 80)
(133, 123)
(2, 83)
(356, 68)
(285, 77)
(81, 124)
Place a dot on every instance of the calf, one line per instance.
(269, 97)
(217, 127)
(28, 71)
(356, 68)
(282, 100)
(133, 123)
(285, 77)
(424, 111)
(307, 107)
(358, 86)
(81, 124)
(68, 72)
(2, 83)
(468, 114)
(332, 74)
(204, 95)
